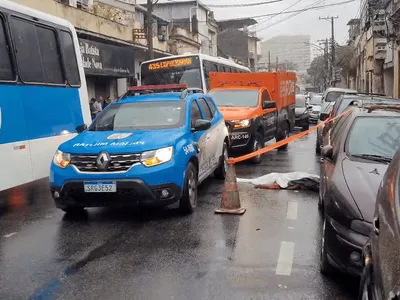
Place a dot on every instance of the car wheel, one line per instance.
(258, 143)
(188, 201)
(306, 126)
(284, 133)
(365, 284)
(324, 265)
(220, 172)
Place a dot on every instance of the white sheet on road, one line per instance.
(282, 179)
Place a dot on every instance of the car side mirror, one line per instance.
(81, 128)
(323, 116)
(200, 125)
(268, 104)
(327, 151)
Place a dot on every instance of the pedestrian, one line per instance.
(107, 102)
(93, 109)
(98, 104)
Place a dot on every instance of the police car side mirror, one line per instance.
(269, 104)
(81, 128)
(200, 125)
(323, 116)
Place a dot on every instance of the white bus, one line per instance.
(43, 94)
(192, 69)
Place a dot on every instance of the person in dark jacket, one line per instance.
(106, 102)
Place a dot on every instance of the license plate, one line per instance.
(100, 187)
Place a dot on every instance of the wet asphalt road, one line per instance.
(150, 255)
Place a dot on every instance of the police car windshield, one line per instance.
(141, 116)
(374, 137)
(235, 97)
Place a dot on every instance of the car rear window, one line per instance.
(140, 115)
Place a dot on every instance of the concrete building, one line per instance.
(288, 49)
(111, 52)
(193, 16)
(236, 42)
(374, 67)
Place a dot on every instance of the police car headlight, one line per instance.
(157, 157)
(62, 159)
(241, 123)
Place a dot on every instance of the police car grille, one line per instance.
(118, 163)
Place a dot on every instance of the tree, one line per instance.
(344, 58)
(318, 71)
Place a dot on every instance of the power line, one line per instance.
(289, 12)
(295, 13)
(242, 5)
(282, 11)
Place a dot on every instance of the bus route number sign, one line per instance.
(174, 63)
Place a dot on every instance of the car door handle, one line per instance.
(375, 225)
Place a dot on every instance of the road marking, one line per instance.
(291, 213)
(285, 259)
(10, 234)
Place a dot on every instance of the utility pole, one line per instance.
(269, 61)
(333, 46)
(325, 43)
(276, 68)
(149, 33)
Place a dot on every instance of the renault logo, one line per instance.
(103, 161)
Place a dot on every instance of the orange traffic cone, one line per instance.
(230, 200)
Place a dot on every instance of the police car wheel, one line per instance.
(188, 201)
(220, 172)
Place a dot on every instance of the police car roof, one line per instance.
(156, 97)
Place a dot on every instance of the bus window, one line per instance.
(206, 70)
(27, 50)
(71, 63)
(50, 54)
(228, 69)
(221, 68)
(6, 69)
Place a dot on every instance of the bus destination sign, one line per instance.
(172, 63)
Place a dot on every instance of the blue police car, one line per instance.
(149, 147)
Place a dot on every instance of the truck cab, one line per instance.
(257, 107)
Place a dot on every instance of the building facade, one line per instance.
(293, 50)
(237, 42)
(193, 17)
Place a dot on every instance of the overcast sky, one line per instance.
(303, 23)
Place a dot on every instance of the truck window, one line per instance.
(265, 96)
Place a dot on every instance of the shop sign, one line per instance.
(104, 59)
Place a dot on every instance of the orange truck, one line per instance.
(257, 107)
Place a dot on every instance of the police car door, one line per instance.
(269, 117)
(212, 135)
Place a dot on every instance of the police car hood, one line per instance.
(93, 142)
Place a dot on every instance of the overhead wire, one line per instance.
(243, 5)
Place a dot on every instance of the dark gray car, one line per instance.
(354, 160)
(302, 117)
(381, 275)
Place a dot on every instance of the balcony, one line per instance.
(380, 48)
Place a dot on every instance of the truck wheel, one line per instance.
(283, 134)
(188, 202)
(220, 172)
(257, 144)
